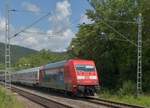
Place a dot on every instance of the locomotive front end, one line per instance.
(86, 77)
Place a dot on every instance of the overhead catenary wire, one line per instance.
(109, 26)
(24, 30)
(41, 33)
(117, 21)
(29, 26)
(28, 11)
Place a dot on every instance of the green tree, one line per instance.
(2, 66)
(40, 58)
(115, 57)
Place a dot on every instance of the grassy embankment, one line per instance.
(8, 100)
(143, 100)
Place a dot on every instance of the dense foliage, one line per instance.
(115, 56)
(39, 59)
(2, 66)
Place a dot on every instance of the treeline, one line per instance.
(38, 59)
(115, 56)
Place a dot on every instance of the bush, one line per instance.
(7, 100)
(105, 93)
(128, 88)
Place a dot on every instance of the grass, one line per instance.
(143, 100)
(8, 100)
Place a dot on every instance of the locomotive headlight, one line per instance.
(80, 77)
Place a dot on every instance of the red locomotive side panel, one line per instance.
(73, 76)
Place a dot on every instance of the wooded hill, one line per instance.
(16, 52)
(41, 58)
(26, 58)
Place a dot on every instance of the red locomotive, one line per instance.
(75, 76)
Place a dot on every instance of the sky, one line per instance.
(53, 32)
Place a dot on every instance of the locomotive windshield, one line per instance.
(85, 68)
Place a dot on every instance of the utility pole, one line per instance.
(7, 42)
(7, 49)
(139, 56)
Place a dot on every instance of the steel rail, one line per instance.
(41, 100)
(110, 103)
(47, 103)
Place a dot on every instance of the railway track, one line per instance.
(49, 101)
(39, 99)
(46, 102)
(52, 101)
(97, 101)
(105, 102)
(111, 104)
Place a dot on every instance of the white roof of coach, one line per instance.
(55, 65)
(28, 70)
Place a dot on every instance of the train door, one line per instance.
(41, 76)
(67, 78)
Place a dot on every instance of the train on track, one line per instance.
(76, 76)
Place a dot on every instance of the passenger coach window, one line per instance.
(85, 68)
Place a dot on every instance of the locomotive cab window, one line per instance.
(85, 68)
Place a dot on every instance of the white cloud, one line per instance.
(2, 23)
(84, 19)
(61, 28)
(60, 43)
(61, 17)
(38, 41)
(31, 39)
(57, 38)
(2, 29)
(31, 7)
(63, 9)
